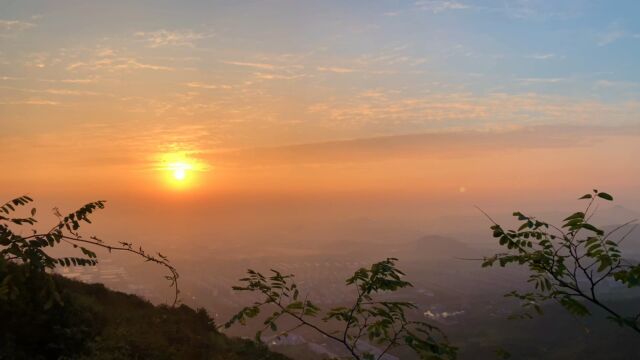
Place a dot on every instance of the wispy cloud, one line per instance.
(116, 64)
(611, 84)
(546, 56)
(78, 81)
(159, 38)
(199, 85)
(41, 102)
(426, 145)
(41, 60)
(274, 76)
(438, 6)
(264, 66)
(390, 57)
(396, 112)
(614, 32)
(541, 80)
(610, 37)
(54, 91)
(11, 27)
(107, 59)
(71, 92)
(336, 69)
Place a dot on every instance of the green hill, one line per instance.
(93, 322)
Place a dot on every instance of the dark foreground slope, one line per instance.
(97, 323)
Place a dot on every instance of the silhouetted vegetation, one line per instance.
(31, 250)
(568, 263)
(384, 323)
(46, 316)
(93, 322)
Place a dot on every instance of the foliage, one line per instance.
(383, 323)
(566, 264)
(46, 316)
(100, 324)
(31, 250)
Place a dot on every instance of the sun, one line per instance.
(179, 170)
(179, 174)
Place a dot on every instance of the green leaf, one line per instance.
(295, 305)
(605, 196)
(577, 215)
(592, 228)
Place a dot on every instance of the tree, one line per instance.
(31, 250)
(47, 316)
(568, 263)
(384, 323)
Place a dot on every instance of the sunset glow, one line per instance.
(315, 138)
(429, 98)
(179, 170)
(179, 174)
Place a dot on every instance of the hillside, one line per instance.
(97, 323)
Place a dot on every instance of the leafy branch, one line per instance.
(567, 263)
(30, 250)
(383, 323)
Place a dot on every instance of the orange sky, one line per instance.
(426, 102)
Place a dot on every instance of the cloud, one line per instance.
(264, 66)
(610, 84)
(336, 69)
(272, 76)
(71, 92)
(610, 37)
(429, 145)
(283, 70)
(116, 64)
(10, 27)
(614, 32)
(108, 59)
(64, 92)
(547, 56)
(390, 58)
(41, 60)
(200, 85)
(395, 113)
(159, 38)
(438, 6)
(78, 81)
(31, 102)
(541, 80)
(69, 81)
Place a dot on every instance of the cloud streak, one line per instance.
(264, 66)
(11, 27)
(161, 38)
(438, 6)
(426, 145)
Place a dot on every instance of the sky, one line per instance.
(440, 102)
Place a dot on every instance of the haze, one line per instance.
(278, 115)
